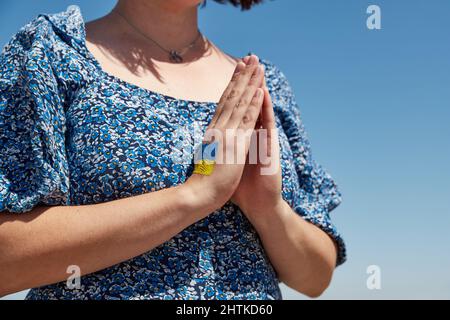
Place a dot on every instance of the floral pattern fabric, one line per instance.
(72, 134)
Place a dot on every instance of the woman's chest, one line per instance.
(123, 141)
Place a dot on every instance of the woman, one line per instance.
(89, 119)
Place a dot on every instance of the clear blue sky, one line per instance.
(376, 105)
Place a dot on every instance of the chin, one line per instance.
(178, 4)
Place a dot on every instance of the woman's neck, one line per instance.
(171, 25)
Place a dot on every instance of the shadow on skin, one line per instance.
(118, 46)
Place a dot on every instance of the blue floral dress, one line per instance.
(71, 134)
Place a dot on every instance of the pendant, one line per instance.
(174, 56)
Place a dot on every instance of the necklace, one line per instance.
(174, 55)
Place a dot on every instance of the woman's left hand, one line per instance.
(259, 190)
(291, 243)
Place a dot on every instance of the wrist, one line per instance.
(198, 195)
(261, 217)
(258, 208)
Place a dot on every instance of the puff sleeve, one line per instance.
(33, 162)
(313, 194)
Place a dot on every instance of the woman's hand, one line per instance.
(303, 256)
(236, 115)
(260, 187)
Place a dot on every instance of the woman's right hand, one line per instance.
(234, 121)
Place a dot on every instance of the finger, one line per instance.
(268, 114)
(245, 131)
(263, 86)
(237, 91)
(246, 98)
(251, 116)
(258, 123)
(240, 85)
(269, 124)
(239, 68)
(246, 61)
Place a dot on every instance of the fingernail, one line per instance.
(246, 59)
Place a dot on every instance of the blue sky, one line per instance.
(376, 104)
